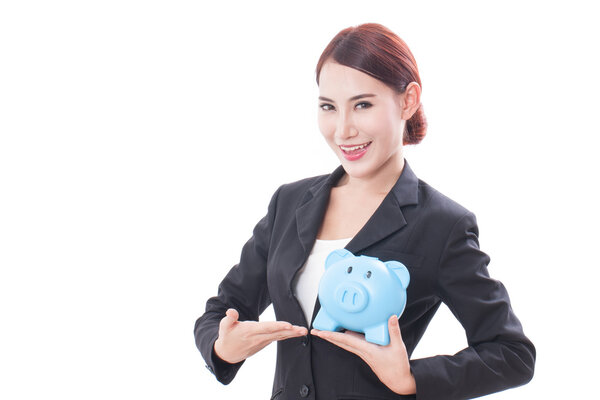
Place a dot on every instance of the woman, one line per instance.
(373, 204)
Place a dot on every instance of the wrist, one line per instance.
(217, 356)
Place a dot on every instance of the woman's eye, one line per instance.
(326, 107)
(329, 107)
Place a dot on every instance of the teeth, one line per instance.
(354, 147)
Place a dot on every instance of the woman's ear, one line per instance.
(411, 100)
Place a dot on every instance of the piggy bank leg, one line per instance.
(378, 334)
(324, 322)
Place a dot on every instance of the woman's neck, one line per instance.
(380, 182)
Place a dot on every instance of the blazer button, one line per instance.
(304, 341)
(304, 391)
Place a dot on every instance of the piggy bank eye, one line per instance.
(368, 274)
(349, 269)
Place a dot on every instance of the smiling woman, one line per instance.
(374, 204)
(388, 60)
(355, 128)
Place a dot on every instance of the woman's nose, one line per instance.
(345, 129)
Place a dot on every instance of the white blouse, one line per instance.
(306, 282)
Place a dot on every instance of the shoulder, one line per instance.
(302, 185)
(439, 207)
(296, 190)
(439, 223)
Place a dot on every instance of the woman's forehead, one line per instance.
(339, 82)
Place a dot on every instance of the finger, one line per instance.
(341, 341)
(232, 313)
(394, 328)
(272, 329)
(302, 330)
(350, 341)
(355, 334)
(287, 333)
(268, 327)
(231, 317)
(267, 337)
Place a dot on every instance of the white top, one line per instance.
(306, 282)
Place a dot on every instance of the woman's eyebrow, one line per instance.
(358, 96)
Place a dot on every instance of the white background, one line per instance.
(142, 140)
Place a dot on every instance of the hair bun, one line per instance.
(416, 127)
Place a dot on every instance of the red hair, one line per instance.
(375, 50)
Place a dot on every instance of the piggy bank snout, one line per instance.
(352, 297)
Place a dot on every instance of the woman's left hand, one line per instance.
(390, 363)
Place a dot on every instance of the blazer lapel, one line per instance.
(309, 215)
(387, 218)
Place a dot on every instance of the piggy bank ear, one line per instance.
(400, 270)
(336, 256)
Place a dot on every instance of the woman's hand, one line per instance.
(238, 340)
(390, 363)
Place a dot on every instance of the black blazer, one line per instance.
(435, 237)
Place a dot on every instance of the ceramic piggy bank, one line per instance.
(360, 294)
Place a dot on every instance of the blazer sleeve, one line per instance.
(499, 355)
(243, 288)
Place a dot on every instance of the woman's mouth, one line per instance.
(354, 152)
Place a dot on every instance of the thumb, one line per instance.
(231, 317)
(394, 328)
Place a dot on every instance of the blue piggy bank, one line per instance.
(360, 294)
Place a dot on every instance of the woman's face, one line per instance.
(356, 109)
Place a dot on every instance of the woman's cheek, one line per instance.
(326, 127)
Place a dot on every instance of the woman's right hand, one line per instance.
(239, 340)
